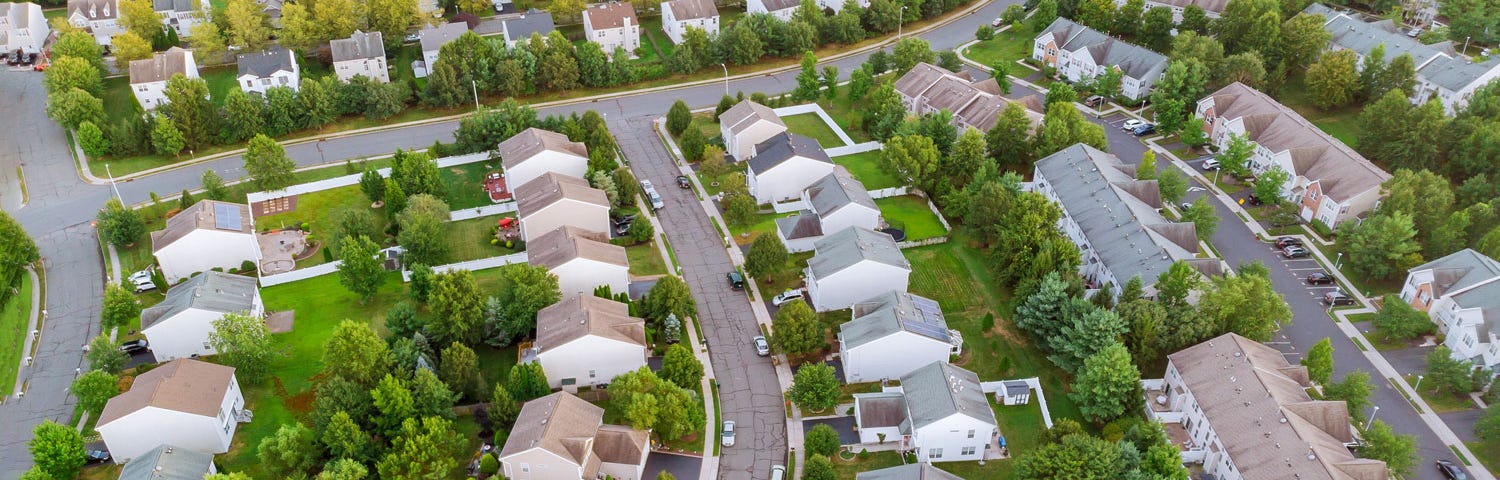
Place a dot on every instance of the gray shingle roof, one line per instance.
(851, 246)
(263, 64)
(212, 291)
(1454, 74)
(785, 146)
(550, 188)
(532, 141)
(1438, 63)
(838, 190)
(167, 462)
(174, 5)
(160, 67)
(533, 21)
(100, 9)
(911, 471)
(202, 215)
(778, 5)
(894, 312)
(803, 225)
(434, 38)
(746, 113)
(879, 410)
(940, 390)
(1135, 61)
(358, 46)
(692, 9)
(1459, 270)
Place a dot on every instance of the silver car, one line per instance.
(761, 347)
(728, 436)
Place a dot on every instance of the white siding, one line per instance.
(594, 218)
(547, 161)
(202, 250)
(891, 357)
(136, 433)
(854, 284)
(740, 146)
(582, 275)
(787, 180)
(627, 36)
(539, 464)
(372, 68)
(952, 436)
(602, 357)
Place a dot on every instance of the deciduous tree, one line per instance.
(423, 229)
(766, 256)
(457, 308)
(1354, 389)
(344, 439)
(680, 367)
(1381, 245)
(1107, 385)
(796, 330)
(1203, 217)
(1399, 452)
(1397, 320)
(120, 307)
(56, 449)
(1073, 456)
(267, 163)
(356, 353)
(247, 24)
(103, 354)
(814, 387)
(460, 370)
(678, 118)
(422, 448)
(1446, 374)
(360, 268)
(669, 296)
(293, 450)
(1319, 361)
(1333, 80)
(120, 226)
(67, 73)
(244, 342)
(527, 382)
(94, 389)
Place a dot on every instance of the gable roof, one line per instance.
(1362, 37)
(532, 141)
(581, 315)
(202, 215)
(1133, 60)
(786, 146)
(533, 21)
(550, 188)
(559, 423)
(101, 9)
(836, 191)
(778, 5)
(978, 104)
(881, 410)
(433, 38)
(183, 385)
(567, 243)
(182, 6)
(919, 79)
(620, 444)
(166, 462)
(911, 471)
(746, 113)
(940, 390)
(611, 15)
(851, 246)
(359, 46)
(692, 9)
(894, 312)
(160, 67)
(1459, 270)
(212, 291)
(265, 63)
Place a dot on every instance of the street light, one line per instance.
(1339, 260)
(475, 85)
(726, 78)
(1419, 383)
(899, 23)
(112, 184)
(1372, 416)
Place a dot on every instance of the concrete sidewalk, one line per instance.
(32, 332)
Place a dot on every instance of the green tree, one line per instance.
(1107, 385)
(165, 138)
(103, 354)
(678, 118)
(1128, 18)
(808, 83)
(243, 116)
(680, 367)
(1319, 361)
(909, 52)
(244, 342)
(267, 163)
(1269, 184)
(503, 408)
(822, 440)
(292, 450)
(394, 403)
(360, 268)
(79, 44)
(1427, 197)
(424, 229)
(1183, 80)
(94, 389)
(1332, 79)
(1073, 456)
(1488, 426)
(1447, 374)
(527, 382)
(1397, 320)
(460, 370)
(1399, 452)
(1391, 128)
(92, 140)
(67, 73)
(819, 468)
(885, 112)
(911, 157)
(1096, 14)
(75, 107)
(1063, 127)
(1385, 243)
(356, 353)
(1203, 217)
(1399, 75)
(693, 142)
(56, 449)
(814, 387)
(1354, 389)
(1156, 31)
(1303, 39)
(796, 330)
(213, 186)
(1009, 141)
(422, 448)
(526, 289)
(344, 439)
(1146, 322)
(649, 402)
(669, 296)
(191, 111)
(431, 397)
(120, 307)
(247, 24)
(1371, 72)
(129, 47)
(1246, 304)
(120, 226)
(457, 308)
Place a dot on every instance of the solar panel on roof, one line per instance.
(928, 312)
(226, 217)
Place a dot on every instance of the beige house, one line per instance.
(927, 88)
(612, 25)
(552, 200)
(747, 124)
(534, 151)
(679, 15)
(582, 260)
(185, 403)
(585, 340)
(561, 437)
(360, 54)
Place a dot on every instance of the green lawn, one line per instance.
(865, 167)
(763, 225)
(1488, 452)
(848, 115)
(911, 214)
(1442, 402)
(465, 185)
(221, 80)
(645, 259)
(13, 317)
(651, 26)
(864, 462)
(1007, 46)
(319, 209)
(1342, 123)
(811, 125)
(470, 239)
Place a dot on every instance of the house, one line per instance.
(167, 462)
(781, 9)
(928, 88)
(582, 260)
(678, 15)
(182, 15)
(148, 77)
(1239, 409)
(561, 437)
(186, 403)
(432, 41)
(360, 54)
(1114, 219)
(180, 325)
(1461, 294)
(1442, 73)
(554, 200)
(584, 341)
(1081, 53)
(834, 203)
(276, 67)
(851, 265)
(837, 6)
(101, 18)
(24, 28)
(939, 412)
(1211, 8)
(520, 28)
(747, 124)
(892, 334)
(612, 25)
(210, 234)
(785, 165)
(1330, 181)
(912, 471)
(534, 151)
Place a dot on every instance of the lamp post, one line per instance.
(1418, 385)
(475, 85)
(899, 22)
(1339, 261)
(112, 185)
(1372, 416)
(726, 78)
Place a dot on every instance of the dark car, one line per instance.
(92, 457)
(1319, 278)
(1294, 251)
(1451, 471)
(1337, 298)
(135, 346)
(1254, 200)
(1283, 242)
(1144, 130)
(736, 281)
(622, 227)
(682, 182)
(1094, 101)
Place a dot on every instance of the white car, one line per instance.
(1131, 125)
(413, 38)
(143, 275)
(787, 296)
(728, 437)
(651, 196)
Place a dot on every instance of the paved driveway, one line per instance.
(843, 425)
(682, 467)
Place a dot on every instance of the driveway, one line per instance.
(682, 467)
(843, 425)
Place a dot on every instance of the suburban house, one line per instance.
(522, 27)
(678, 15)
(912, 471)
(554, 200)
(207, 235)
(534, 151)
(1080, 53)
(892, 334)
(1330, 181)
(360, 54)
(837, 6)
(1211, 8)
(167, 462)
(851, 265)
(746, 125)
(182, 15)
(582, 260)
(785, 165)
(276, 67)
(148, 77)
(185, 403)
(834, 203)
(584, 340)
(1442, 72)
(24, 28)
(611, 25)
(562, 437)
(101, 18)
(1238, 408)
(781, 9)
(928, 88)
(1461, 293)
(432, 41)
(1114, 219)
(179, 326)
(938, 412)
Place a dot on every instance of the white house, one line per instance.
(892, 334)
(552, 200)
(179, 326)
(785, 165)
(169, 462)
(1461, 293)
(834, 203)
(148, 77)
(432, 41)
(582, 260)
(938, 412)
(584, 340)
(837, 6)
(562, 437)
(520, 28)
(1239, 409)
(534, 151)
(928, 88)
(852, 265)
(911, 471)
(23, 27)
(612, 25)
(185, 403)
(208, 234)
(1330, 181)
(1080, 53)
(182, 15)
(781, 9)
(1211, 8)
(101, 18)
(260, 71)
(678, 15)
(360, 54)
(747, 124)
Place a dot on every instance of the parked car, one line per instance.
(92, 456)
(1414, 33)
(787, 296)
(996, 23)
(761, 347)
(144, 286)
(682, 182)
(1144, 130)
(413, 38)
(1283, 242)
(728, 436)
(1184, 206)
(1211, 164)
(651, 196)
(1254, 200)
(622, 227)
(1294, 251)
(135, 346)
(1319, 278)
(1131, 125)
(1451, 471)
(736, 281)
(778, 472)
(141, 275)
(1094, 101)
(1337, 298)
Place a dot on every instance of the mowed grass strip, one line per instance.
(811, 125)
(865, 167)
(911, 213)
(645, 259)
(13, 318)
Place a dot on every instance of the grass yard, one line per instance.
(465, 185)
(470, 239)
(645, 259)
(320, 209)
(1342, 123)
(13, 317)
(811, 125)
(1007, 46)
(848, 115)
(651, 26)
(864, 462)
(911, 213)
(1488, 452)
(1442, 402)
(866, 168)
(764, 225)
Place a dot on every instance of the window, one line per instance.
(934, 453)
(971, 433)
(525, 467)
(592, 374)
(967, 451)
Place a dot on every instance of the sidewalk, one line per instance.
(32, 332)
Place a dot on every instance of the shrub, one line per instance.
(985, 33)
(247, 266)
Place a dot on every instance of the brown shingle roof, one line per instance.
(620, 444)
(584, 314)
(693, 9)
(183, 385)
(977, 104)
(566, 243)
(532, 141)
(550, 188)
(160, 67)
(559, 423)
(611, 15)
(201, 215)
(882, 410)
